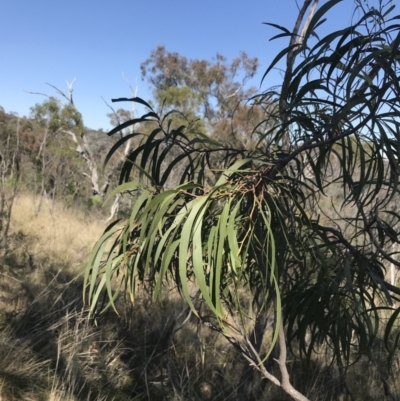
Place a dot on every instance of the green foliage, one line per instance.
(58, 156)
(258, 227)
(57, 116)
(211, 92)
(95, 201)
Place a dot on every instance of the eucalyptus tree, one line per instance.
(208, 92)
(263, 228)
(64, 132)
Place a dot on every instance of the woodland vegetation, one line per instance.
(238, 245)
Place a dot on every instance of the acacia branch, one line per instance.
(356, 254)
(307, 23)
(295, 39)
(285, 382)
(258, 364)
(333, 133)
(252, 356)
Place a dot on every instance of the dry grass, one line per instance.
(66, 356)
(58, 234)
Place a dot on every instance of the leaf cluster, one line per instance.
(331, 124)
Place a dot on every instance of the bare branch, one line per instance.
(114, 208)
(291, 57)
(134, 92)
(112, 109)
(48, 96)
(234, 93)
(69, 98)
(285, 382)
(60, 92)
(258, 364)
(70, 90)
(307, 23)
(43, 143)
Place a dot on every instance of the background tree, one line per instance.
(63, 138)
(212, 92)
(10, 171)
(56, 157)
(261, 229)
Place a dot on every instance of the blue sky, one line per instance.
(95, 42)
